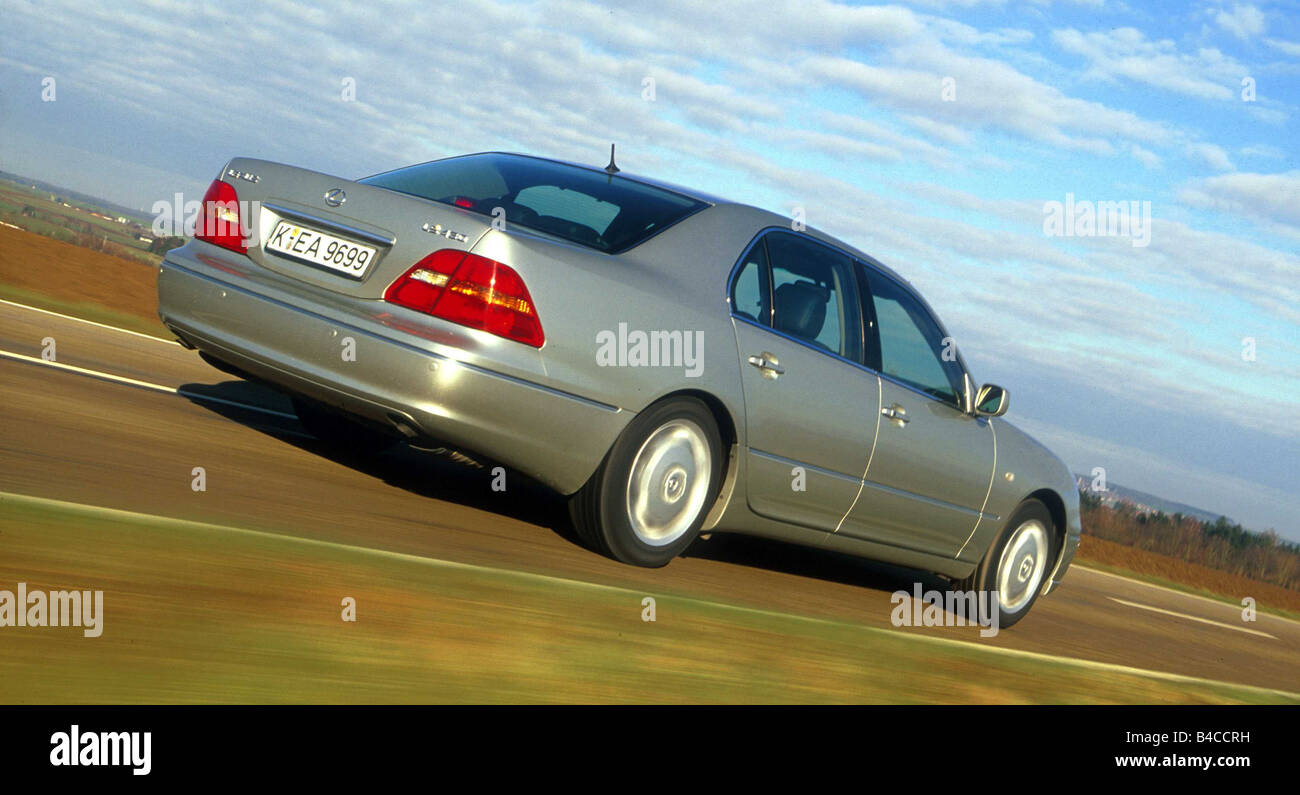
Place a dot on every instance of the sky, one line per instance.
(942, 138)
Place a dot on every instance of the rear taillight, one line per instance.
(219, 222)
(473, 291)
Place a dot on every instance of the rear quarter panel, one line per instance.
(674, 282)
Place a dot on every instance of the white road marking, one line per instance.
(1189, 618)
(96, 510)
(121, 379)
(89, 322)
(1174, 591)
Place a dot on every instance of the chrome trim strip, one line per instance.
(875, 440)
(301, 215)
(911, 495)
(792, 462)
(993, 474)
(442, 357)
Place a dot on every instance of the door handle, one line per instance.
(768, 364)
(896, 413)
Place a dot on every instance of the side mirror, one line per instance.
(992, 401)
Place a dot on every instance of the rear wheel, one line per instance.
(339, 431)
(1017, 562)
(647, 501)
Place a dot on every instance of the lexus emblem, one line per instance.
(335, 196)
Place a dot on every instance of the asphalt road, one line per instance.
(76, 431)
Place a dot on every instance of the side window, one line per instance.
(749, 290)
(911, 342)
(814, 296)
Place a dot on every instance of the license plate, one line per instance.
(319, 248)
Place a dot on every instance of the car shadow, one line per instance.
(436, 473)
(811, 562)
(453, 476)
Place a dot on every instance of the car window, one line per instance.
(589, 207)
(814, 296)
(912, 342)
(749, 290)
(557, 202)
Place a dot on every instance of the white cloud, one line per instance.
(1262, 150)
(1288, 47)
(1243, 21)
(949, 133)
(1127, 53)
(989, 94)
(1211, 155)
(1260, 197)
(1146, 158)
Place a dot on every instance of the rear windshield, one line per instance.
(591, 208)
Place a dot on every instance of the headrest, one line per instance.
(801, 309)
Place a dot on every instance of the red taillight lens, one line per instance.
(421, 286)
(219, 222)
(473, 291)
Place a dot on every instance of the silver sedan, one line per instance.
(674, 362)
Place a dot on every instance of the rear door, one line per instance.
(930, 472)
(810, 407)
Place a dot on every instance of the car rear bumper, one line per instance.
(417, 387)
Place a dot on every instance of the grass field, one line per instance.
(200, 613)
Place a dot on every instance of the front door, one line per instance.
(930, 472)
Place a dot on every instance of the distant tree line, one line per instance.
(164, 244)
(1221, 544)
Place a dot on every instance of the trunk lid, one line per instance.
(399, 229)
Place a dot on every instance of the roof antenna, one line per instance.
(611, 168)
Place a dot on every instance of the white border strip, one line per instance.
(90, 322)
(1163, 611)
(121, 379)
(1220, 602)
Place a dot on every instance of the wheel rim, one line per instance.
(1020, 570)
(668, 482)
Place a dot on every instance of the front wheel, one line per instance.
(647, 501)
(1016, 563)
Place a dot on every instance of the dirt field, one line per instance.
(75, 275)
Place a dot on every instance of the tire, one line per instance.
(646, 502)
(339, 431)
(1017, 562)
